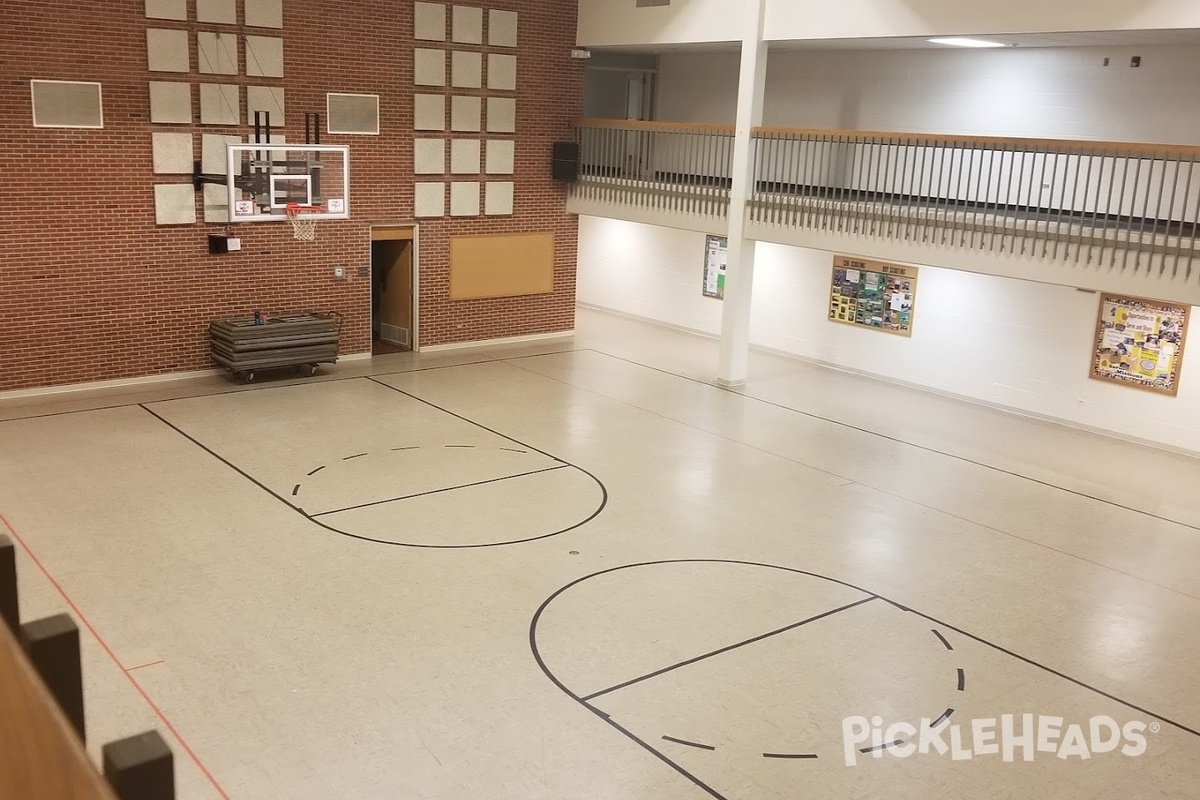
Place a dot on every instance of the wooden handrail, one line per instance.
(982, 142)
(41, 757)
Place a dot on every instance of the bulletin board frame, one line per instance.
(716, 256)
(1161, 327)
(873, 295)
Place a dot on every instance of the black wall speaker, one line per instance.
(564, 162)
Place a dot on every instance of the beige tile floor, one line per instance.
(300, 582)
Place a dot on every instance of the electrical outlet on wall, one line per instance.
(339, 272)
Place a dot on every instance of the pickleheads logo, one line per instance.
(1009, 737)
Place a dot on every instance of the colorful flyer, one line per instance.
(872, 294)
(1139, 342)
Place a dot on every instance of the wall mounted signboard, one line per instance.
(871, 294)
(1140, 342)
(716, 255)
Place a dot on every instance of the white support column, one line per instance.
(739, 270)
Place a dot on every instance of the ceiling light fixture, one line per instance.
(956, 41)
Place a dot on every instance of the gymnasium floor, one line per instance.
(575, 570)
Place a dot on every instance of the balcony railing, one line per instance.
(1132, 205)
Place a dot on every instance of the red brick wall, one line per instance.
(92, 289)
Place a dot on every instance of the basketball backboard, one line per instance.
(263, 179)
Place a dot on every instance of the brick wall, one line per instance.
(92, 289)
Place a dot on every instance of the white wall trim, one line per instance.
(367, 356)
(116, 383)
(534, 337)
(649, 320)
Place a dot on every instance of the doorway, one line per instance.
(392, 318)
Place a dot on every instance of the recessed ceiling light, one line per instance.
(956, 41)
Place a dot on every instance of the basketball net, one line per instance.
(304, 221)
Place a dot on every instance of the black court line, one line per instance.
(883, 746)
(945, 716)
(541, 662)
(599, 509)
(689, 744)
(438, 491)
(410, 447)
(513, 450)
(460, 445)
(962, 680)
(296, 490)
(726, 649)
(942, 639)
(315, 471)
(279, 385)
(790, 755)
(895, 439)
(351, 458)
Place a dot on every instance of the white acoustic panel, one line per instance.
(429, 67)
(465, 114)
(171, 103)
(468, 25)
(501, 155)
(219, 103)
(429, 200)
(466, 70)
(429, 156)
(352, 113)
(212, 153)
(223, 12)
(502, 72)
(66, 104)
(171, 153)
(464, 199)
(264, 13)
(464, 156)
(498, 199)
(166, 9)
(265, 98)
(429, 22)
(174, 204)
(167, 51)
(502, 28)
(218, 53)
(216, 203)
(264, 56)
(429, 112)
(501, 115)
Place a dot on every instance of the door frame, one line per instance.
(404, 231)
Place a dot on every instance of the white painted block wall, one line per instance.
(1010, 343)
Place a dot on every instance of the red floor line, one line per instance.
(79, 615)
(143, 666)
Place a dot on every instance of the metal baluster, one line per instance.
(1049, 205)
(1192, 243)
(934, 225)
(826, 189)
(902, 183)
(979, 213)
(889, 194)
(1120, 207)
(787, 183)
(961, 178)
(856, 192)
(1162, 261)
(1034, 214)
(1137, 181)
(1091, 158)
(1187, 195)
(875, 194)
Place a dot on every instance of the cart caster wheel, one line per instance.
(250, 377)
(311, 369)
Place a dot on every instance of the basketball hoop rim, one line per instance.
(295, 209)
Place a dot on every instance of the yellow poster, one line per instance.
(1139, 342)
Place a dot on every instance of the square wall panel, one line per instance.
(265, 98)
(216, 203)
(67, 104)
(222, 12)
(218, 53)
(501, 115)
(464, 199)
(264, 56)
(466, 70)
(468, 25)
(166, 9)
(167, 51)
(429, 112)
(171, 103)
(429, 200)
(429, 22)
(264, 13)
(429, 67)
(502, 28)
(464, 156)
(219, 104)
(498, 199)
(172, 153)
(212, 152)
(429, 156)
(502, 72)
(465, 114)
(352, 113)
(174, 204)
(501, 153)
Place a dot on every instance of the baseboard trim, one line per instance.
(533, 337)
(962, 398)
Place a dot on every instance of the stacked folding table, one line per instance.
(245, 346)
